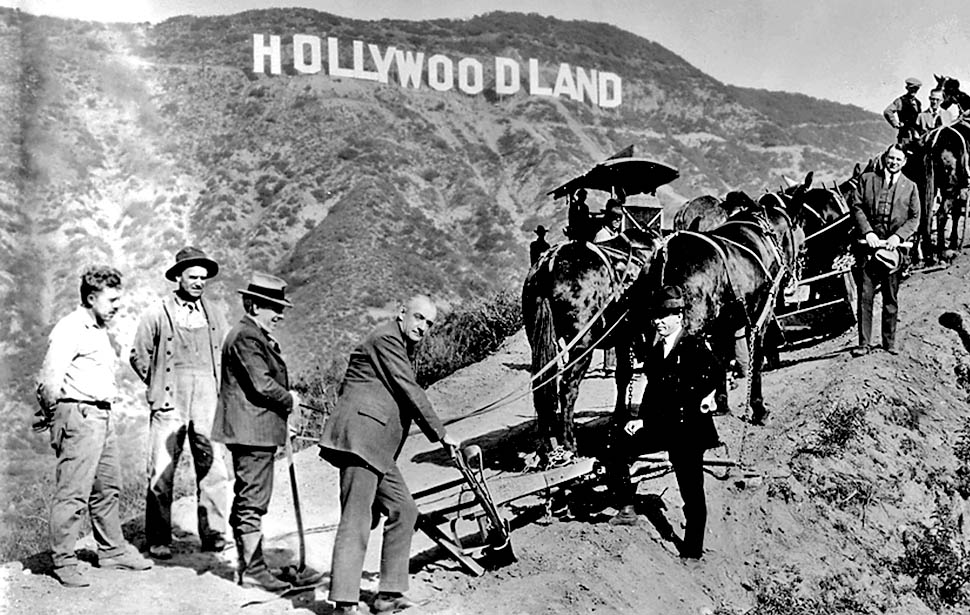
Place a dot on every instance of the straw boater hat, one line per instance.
(266, 287)
(191, 257)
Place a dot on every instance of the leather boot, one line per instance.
(252, 570)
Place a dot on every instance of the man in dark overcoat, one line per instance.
(675, 415)
(886, 211)
(378, 400)
(255, 402)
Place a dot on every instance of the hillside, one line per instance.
(122, 143)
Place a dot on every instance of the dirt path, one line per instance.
(808, 522)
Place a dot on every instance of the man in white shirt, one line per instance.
(76, 387)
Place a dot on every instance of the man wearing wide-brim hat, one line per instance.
(675, 415)
(178, 354)
(538, 245)
(255, 402)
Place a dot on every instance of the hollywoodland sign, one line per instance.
(439, 72)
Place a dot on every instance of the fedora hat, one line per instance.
(888, 258)
(267, 287)
(540, 230)
(191, 257)
(667, 300)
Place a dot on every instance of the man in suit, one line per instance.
(378, 399)
(76, 389)
(177, 353)
(675, 415)
(886, 210)
(934, 116)
(255, 402)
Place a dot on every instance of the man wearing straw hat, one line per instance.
(178, 354)
(379, 399)
(254, 403)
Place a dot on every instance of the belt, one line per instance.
(102, 405)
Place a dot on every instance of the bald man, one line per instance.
(379, 398)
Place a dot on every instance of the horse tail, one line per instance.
(542, 338)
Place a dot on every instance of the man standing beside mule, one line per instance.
(886, 211)
(379, 398)
(177, 354)
(76, 390)
(255, 402)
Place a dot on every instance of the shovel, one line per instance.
(299, 576)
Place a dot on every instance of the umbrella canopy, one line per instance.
(626, 175)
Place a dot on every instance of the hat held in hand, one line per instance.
(191, 257)
(266, 287)
(888, 258)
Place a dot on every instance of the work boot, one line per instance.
(128, 560)
(70, 576)
(626, 516)
(391, 603)
(252, 570)
(213, 544)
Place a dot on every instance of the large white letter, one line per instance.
(300, 41)
(359, 72)
(261, 50)
(474, 85)
(383, 63)
(510, 68)
(586, 85)
(565, 83)
(409, 68)
(446, 80)
(333, 59)
(534, 88)
(608, 99)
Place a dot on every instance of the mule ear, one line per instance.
(857, 170)
(789, 182)
(808, 180)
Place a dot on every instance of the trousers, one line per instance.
(868, 273)
(87, 476)
(363, 492)
(195, 399)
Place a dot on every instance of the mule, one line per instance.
(731, 278)
(568, 287)
(702, 214)
(945, 161)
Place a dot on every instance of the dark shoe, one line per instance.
(160, 551)
(214, 544)
(70, 576)
(263, 579)
(891, 350)
(859, 351)
(126, 561)
(392, 604)
(626, 516)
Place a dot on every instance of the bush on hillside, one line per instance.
(937, 559)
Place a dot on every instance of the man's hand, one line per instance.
(893, 242)
(450, 443)
(708, 404)
(633, 426)
(873, 241)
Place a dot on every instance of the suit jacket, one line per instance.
(903, 218)
(676, 385)
(254, 397)
(378, 399)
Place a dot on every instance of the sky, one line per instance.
(852, 51)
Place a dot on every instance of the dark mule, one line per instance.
(563, 292)
(731, 278)
(702, 214)
(945, 160)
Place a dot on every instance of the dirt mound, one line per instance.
(855, 504)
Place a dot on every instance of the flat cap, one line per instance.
(914, 82)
